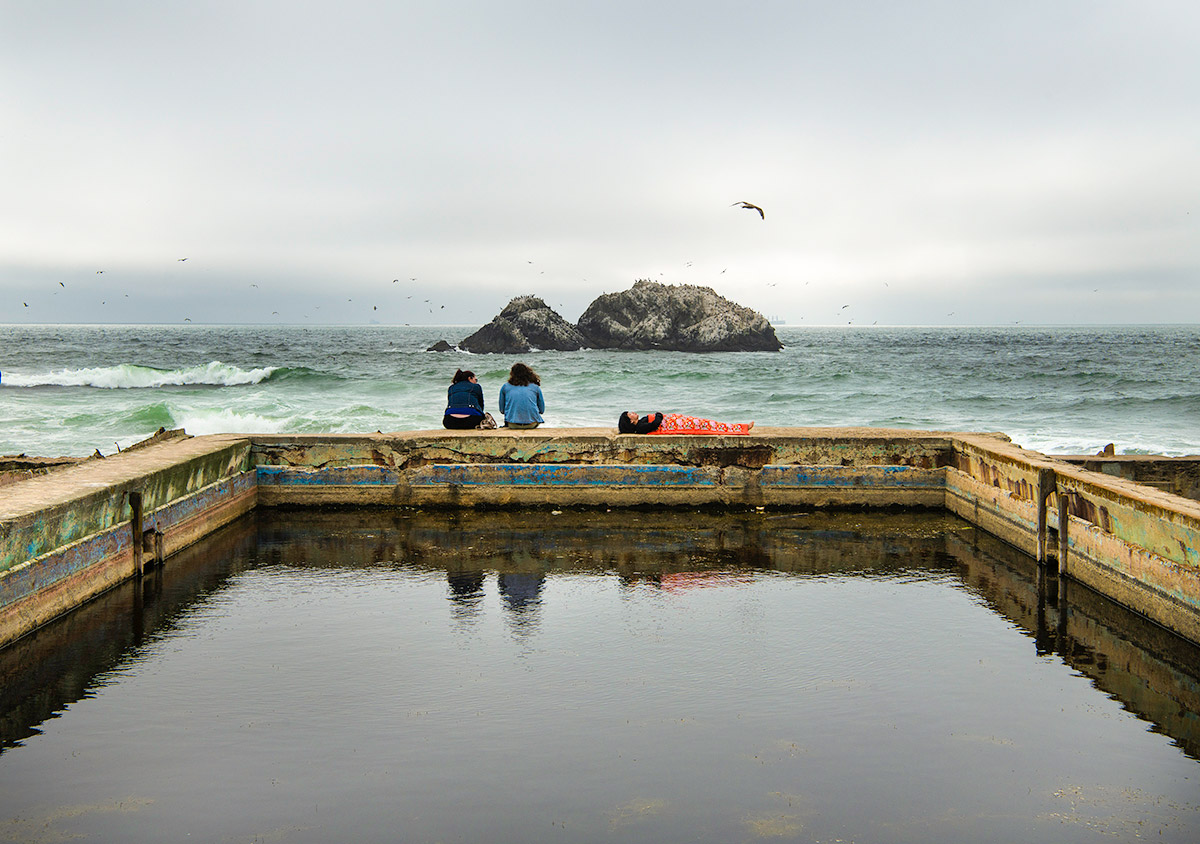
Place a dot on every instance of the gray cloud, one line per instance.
(906, 154)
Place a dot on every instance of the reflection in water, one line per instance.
(701, 676)
(522, 595)
(522, 591)
(1155, 674)
(466, 592)
(62, 662)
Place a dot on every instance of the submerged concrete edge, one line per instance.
(67, 536)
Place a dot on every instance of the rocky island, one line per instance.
(677, 318)
(525, 323)
(650, 315)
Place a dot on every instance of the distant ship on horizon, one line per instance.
(776, 320)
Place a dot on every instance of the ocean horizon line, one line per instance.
(785, 325)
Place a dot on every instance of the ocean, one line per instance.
(69, 390)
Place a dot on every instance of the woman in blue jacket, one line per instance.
(521, 399)
(464, 402)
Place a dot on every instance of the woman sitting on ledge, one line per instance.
(464, 402)
(677, 423)
(521, 399)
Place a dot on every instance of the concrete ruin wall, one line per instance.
(1177, 475)
(67, 536)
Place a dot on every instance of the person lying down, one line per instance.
(677, 423)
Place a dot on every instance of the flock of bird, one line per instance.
(434, 307)
(102, 301)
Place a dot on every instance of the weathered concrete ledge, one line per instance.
(1177, 475)
(67, 536)
(597, 467)
(15, 468)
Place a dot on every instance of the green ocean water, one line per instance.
(72, 389)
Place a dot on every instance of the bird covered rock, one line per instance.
(680, 318)
(525, 323)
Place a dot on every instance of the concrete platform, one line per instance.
(70, 534)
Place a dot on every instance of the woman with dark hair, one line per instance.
(677, 423)
(521, 399)
(464, 402)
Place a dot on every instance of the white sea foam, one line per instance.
(222, 420)
(131, 376)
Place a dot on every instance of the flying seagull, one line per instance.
(752, 207)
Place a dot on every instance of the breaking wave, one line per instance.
(130, 376)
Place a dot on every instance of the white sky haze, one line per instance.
(923, 162)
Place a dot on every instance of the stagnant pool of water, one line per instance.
(546, 676)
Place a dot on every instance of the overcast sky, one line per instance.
(948, 162)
